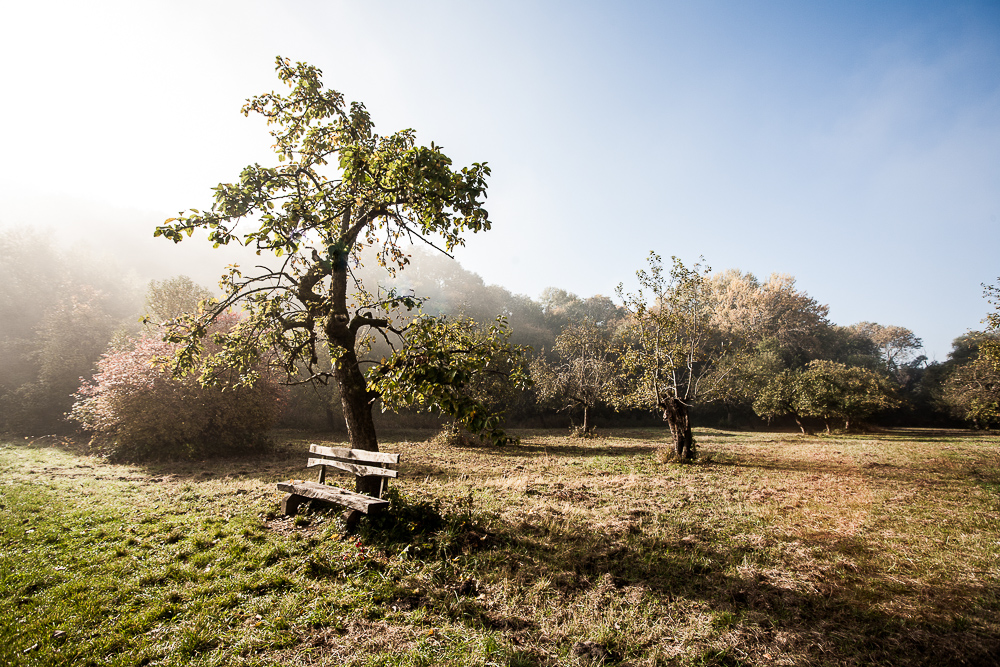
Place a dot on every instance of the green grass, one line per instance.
(772, 549)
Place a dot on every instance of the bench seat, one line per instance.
(358, 462)
(331, 494)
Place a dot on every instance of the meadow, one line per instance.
(770, 549)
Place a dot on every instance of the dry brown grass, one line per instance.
(827, 550)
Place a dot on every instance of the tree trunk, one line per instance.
(356, 400)
(675, 413)
(354, 394)
(798, 420)
(586, 425)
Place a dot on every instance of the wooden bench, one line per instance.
(349, 460)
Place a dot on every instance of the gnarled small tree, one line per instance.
(338, 187)
(672, 356)
(453, 366)
(780, 396)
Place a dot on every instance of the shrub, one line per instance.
(452, 434)
(138, 411)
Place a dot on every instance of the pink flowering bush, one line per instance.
(138, 411)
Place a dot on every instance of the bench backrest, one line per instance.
(354, 461)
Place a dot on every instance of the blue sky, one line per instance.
(855, 146)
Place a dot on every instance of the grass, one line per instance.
(772, 549)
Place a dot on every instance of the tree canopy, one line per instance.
(990, 346)
(173, 297)
(338, 188)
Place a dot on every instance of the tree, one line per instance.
(672, 355)
(972, 389)
(169, 299)
(779, 326)
(774, 310)
(991, 346)
(826, 390)
(584, 374)
(895, 345)
(851, 393)
(562, 308)
(338, 188)
(456, 367)
(781, 396)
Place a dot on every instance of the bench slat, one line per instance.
(353, 468)
(354, 454)
(333, 494)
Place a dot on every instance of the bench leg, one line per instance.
(290, 504)
(351, 519)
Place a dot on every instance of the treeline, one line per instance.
(767, 355)
(59, 312)
(765, 352)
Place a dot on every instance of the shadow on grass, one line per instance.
(845, 605)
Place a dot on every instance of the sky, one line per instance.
(852, 145)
